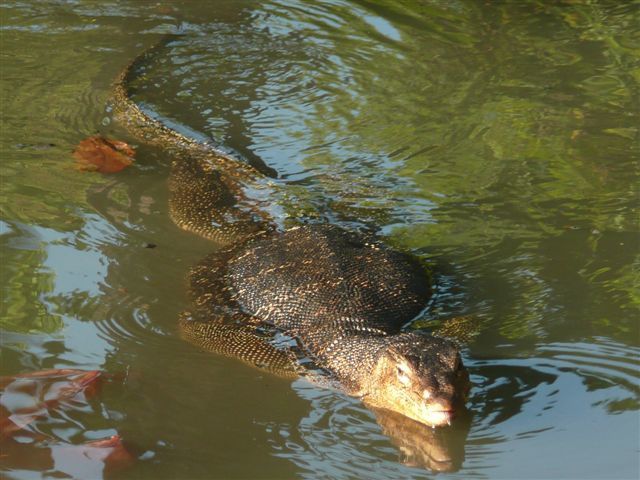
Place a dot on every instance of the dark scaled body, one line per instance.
(317, 277)
(343, 297)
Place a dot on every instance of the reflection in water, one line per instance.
(501, 137)
(341, 436)
(94, 460)
(436, 449)
(610, 371)
(554, 401)
(550, 402)
(38, 427)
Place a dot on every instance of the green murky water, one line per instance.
(498, 140)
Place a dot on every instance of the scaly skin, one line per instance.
(206, 185)
(342, 296)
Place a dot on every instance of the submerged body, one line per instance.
(343, 297)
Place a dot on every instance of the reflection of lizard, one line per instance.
(344, 297)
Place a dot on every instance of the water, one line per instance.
(497, 141)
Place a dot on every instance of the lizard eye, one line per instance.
(403, 376)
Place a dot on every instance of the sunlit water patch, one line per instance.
(496, 142)
(75, 300)
(554, 402)
(551, 403)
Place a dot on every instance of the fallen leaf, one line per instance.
(104, 155)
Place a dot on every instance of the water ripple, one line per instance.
(515, 402)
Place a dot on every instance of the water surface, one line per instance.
(499, 142)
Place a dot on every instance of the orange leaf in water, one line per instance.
(104, 155)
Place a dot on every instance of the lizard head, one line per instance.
(419, 376)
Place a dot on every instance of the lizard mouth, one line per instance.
(437, 417)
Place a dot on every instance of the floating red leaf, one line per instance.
(104, 155)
